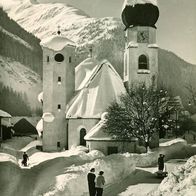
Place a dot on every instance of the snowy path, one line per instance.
(136, 182)
(15, 181)
(41, 178)
(59, 173)
(141, 182)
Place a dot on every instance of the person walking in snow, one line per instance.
(99, 183)
(25, 158)
(91, 181)
(161, 162)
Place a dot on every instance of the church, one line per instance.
(75, 98)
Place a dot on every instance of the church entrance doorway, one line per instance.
(82, 134)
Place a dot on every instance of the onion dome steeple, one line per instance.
(140, 13)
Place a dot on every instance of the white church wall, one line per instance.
(74, 127)
(55, 135)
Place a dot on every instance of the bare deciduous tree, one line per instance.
(138, 114)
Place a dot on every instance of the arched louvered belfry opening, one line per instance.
(82, 135)
(143, 62)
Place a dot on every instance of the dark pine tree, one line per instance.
(14, 102)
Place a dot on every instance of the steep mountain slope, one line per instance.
(106, 35)
(18, 44)
(20, 67)
(44, 19)
(111, 7)
(21, 79)
(176, 74)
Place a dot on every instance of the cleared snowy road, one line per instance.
(15, 181)
(141, 182)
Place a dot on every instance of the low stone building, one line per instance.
(98, 139)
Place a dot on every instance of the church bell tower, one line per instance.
(141, 50)
(58, 89)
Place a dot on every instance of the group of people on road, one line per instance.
(95, 184)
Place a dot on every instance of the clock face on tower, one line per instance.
(142, 36)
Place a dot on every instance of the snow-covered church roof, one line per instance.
(103, 87)
(83, 72)
(57, 42)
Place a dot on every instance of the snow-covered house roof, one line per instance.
(83, 72)
(4, 114)
(103, 87)
(6, 122)
(97, 133)
(57, 42)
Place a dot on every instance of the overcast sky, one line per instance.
(177, 27)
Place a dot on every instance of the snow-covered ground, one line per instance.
(115, 167)
(170, 142)
(61, 172)
(7, 158)
(40, 157)
(141, 182)
(180, 182)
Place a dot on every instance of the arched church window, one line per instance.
(59, 57)
(143, 62)
(82, 135)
